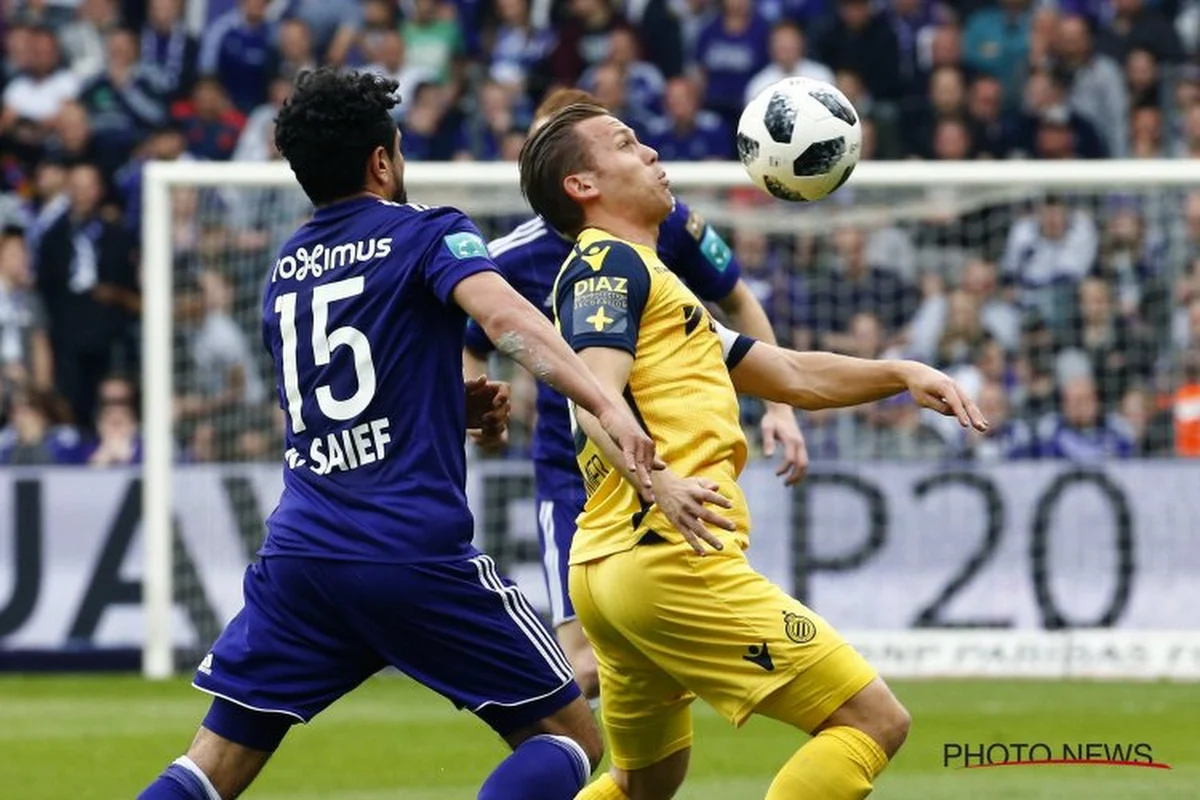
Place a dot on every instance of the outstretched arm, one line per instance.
(522, 333)
(813, 380)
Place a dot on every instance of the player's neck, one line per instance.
(638, 232)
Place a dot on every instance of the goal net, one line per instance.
(1065, 297)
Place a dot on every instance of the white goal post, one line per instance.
(491, 188)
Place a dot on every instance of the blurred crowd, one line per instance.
(1075, 320)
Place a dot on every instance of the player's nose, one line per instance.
(651, 155)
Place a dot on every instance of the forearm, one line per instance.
(525, 336)
(828, 380)
(608, 448)
(816, 380)
(746, 315)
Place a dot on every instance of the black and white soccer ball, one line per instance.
(799, 139)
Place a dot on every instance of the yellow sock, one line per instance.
(603, 788)
(837, 764)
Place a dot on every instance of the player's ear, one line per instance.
(580, 185)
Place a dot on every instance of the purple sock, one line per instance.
(177, 782)
(544, 767)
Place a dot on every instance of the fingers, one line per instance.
(639, 456)
(795, 462)
(475, 384)
(768, 436)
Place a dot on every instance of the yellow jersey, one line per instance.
(614, 293)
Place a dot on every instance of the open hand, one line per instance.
(685, 502)
(937, 390)
(779, 425)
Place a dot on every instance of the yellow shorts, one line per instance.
(669, 626)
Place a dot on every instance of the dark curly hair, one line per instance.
(331, 125)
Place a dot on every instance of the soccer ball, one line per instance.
(799, 139)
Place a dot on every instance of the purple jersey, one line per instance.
(530, 258)
(367, 350)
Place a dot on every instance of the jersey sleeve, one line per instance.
(734, 345)
(694, 251)
(457, 252)
(600, 297)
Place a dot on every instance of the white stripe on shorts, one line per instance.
(554, 587)
(523, 615)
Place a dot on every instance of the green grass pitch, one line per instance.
(74, 738)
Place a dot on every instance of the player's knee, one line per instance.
(586, 673)
(876, 712)
(659, 781)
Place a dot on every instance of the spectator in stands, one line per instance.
(1185, 406)
(1146, 133)
(688, 132)
(295, 49)
(226, 381)
(433, 41)
(390, 61)
(1133, 262)
(1082, 431)
(1142, 79)
(209, 121)
(238, 52)
(86, 275)
(166, 143)
(996, 41)
(952, 140)
(583, 39)
(913, 22)
(993, 129)
(48, 203)
(26, 360)
(609, 82)
(1046, 106)
(862, 41)
(944, 50)
(1097, 84)
(82, 40)
(932, 324)
(428, 125)
(1132, 26)
(118, 440)
(168, 49)
(658, 21)
(644, 85)
(1046, 255)
(38, 93)
(1117, 347)
(788, 51)
(1189, 143)
(1187, 27)
(38, 431)
(330, 27)
(855, 286)
(1149, 425)
(946, 101)
(519, 47)
(733, 47)
(73, 141)
(482, 134)
(1006, 438)
(256, 140)
(125, 101)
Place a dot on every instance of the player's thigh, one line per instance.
(556, 516)
(289, 651)
(726, 632)
(468, 633)
(646, 713)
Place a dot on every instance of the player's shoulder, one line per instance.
(426, 226)
(532, 240)
(597, 251)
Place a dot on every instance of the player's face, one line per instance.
(629, 178)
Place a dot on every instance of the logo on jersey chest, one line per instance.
(601, 284)
(313, 262)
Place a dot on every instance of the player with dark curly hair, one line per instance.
(368, 560)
